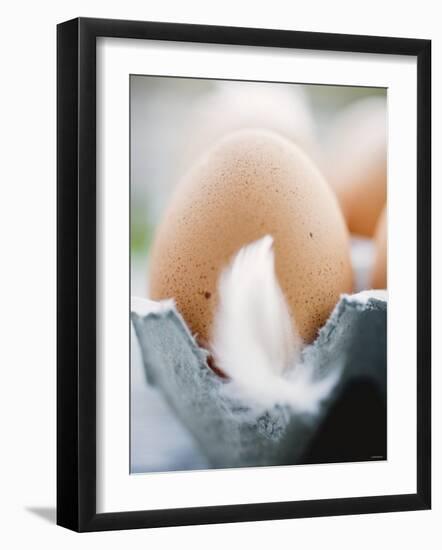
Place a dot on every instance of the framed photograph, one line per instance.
(243, 274)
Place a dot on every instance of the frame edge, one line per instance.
(423, 358)
(67, 275)
(76, 193)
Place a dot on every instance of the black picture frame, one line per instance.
(77, 287)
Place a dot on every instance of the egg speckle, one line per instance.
(252, 183)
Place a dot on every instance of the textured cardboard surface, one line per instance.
(232, 432)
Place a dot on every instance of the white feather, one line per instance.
(254, 339)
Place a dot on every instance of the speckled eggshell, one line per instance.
(379, 274)
(252, 183)
(356, 163)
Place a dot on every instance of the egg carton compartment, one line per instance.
(230, 431)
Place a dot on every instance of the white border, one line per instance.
(116, 489)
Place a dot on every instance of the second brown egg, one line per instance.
(356, 163)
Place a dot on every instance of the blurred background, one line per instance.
(174, 120)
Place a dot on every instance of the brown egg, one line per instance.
(356, 163)
(252, 183)
(379, 273)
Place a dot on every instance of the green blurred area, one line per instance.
(332, 98)
(141, 231)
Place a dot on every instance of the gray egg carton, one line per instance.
(229, 430)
